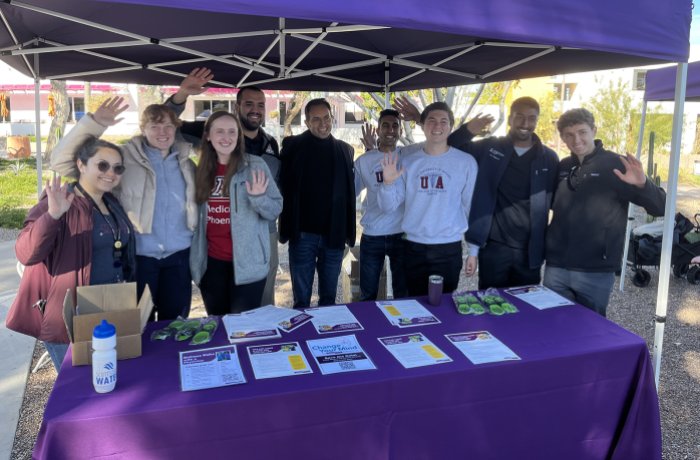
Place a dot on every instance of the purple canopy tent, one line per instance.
(360, 45)
(660, 84)
(663, 85)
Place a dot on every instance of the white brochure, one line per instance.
(336, 318)
(287, 319)
(339, 354)
(481, 347)
(210, 368)
(244, 328)
(414, 350)
(539, 297)
(278, 360)
(406, 313)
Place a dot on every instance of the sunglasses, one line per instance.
(104, 166)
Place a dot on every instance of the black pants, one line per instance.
(220, 294)
(169, 281)
(423, 260)
(502, 266)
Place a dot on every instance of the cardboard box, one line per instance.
(117, 304)
(350, 277)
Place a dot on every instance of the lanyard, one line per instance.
(116, 232)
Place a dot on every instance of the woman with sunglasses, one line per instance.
(157, 192)
(77, 235)
(231, 247)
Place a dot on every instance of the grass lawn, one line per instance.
(18, 188)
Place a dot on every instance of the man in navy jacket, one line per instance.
(512, 198)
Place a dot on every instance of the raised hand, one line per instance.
(634, 171)
(477, 124)
(193, 84)
(407, 109)
(369, 136)
(59, 197)
(470, 265)
(389, 167)
(259, 185)
(107, 113)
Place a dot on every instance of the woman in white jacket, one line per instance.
(157, 192)
(230, 254)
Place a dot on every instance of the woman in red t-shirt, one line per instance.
(230, 253)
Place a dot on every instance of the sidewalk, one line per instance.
(16, 353)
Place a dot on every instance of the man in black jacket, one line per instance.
(250, 102)
(318, 216)
(512, 197)
(586, 236)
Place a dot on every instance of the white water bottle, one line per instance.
(104, 357)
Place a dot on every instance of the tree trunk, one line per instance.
(58, 123)
(296, 105)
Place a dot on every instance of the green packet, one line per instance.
(198, 330)
(495, 303)
(467, 303)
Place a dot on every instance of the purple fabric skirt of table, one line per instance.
(584, 389)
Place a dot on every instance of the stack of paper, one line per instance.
(263, 323)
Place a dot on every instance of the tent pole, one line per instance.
(37, 123)
(671, 193)
(630, 219)
(387, 88)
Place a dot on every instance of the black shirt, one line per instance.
(511, 218)
(316, 194)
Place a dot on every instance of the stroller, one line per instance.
(645, 249)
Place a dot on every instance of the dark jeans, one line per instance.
(590, 289)
(169, 281)
(502, 266)
(220, 294)
(310, 252)
(372, 252)
(423, 260)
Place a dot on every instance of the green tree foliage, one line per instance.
(547, 122)
(612, 108)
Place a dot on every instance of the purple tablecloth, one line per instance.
(584, 389)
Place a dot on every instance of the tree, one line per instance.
(612, 108)
(547, 122)
(61, 109)
(293, 109)
(462, 100)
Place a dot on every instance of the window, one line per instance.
(640, 80)
(353, 113)
(205, 107)
(569, 89)
(283, 115)
(77, 108)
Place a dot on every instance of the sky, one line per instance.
(695, 30)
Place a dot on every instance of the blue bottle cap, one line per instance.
(104, 330)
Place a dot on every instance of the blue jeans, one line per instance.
(590, 289)
(311, 252)
(372, 252)
(57, 351)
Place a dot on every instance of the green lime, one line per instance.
(176, 324)
(496, 309)
(201, 337)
